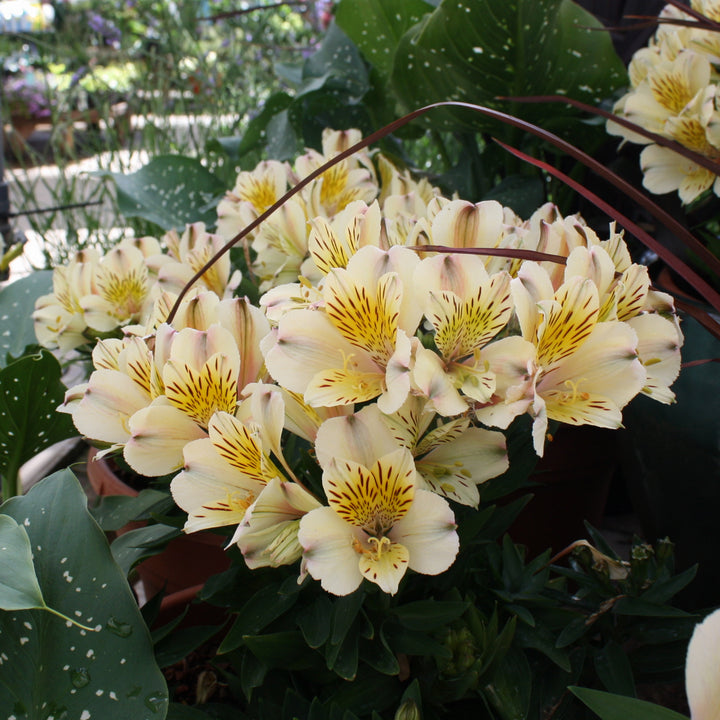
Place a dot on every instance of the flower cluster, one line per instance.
(393, 366)
(674, 93)
(95, 295)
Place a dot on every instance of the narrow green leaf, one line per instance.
(345, 611)
(614, 669)
(429, 614)
(258, 612)
(617, 707)
(134, 546)
(115, 511)
(281, 650)
(313, 622)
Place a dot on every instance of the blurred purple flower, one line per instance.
(109, 32)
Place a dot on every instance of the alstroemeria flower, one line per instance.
(268, 534)
(451, 459)
(187, 253)
(349, 180)
(339, 354)
(702, 682)
(585, 371)
(224, 473)
(200, 377)
(377, 526)
(466, 308)
(254, 192)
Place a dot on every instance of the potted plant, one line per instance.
(348, 429)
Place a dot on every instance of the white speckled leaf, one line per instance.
(30, 392)
(170, 191)
(475, 51)
(17, 302)
(53, 668)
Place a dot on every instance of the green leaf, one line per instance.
(336, 65)
(313, 622)
(170, 191)
(478, 51)
(258, 612)
(376, 27)
(429, 614)
(281, 650)
(614, 669)
(343, 657)
(17, 302)
(132, 547)
(282, 143)
(115, 511)
(522, 193)
(30, 392)
(19, 589)
(345, 611)
(178, 645)
(637, 606)
(50, 665)
(509, 690)
(255, 136)
(618, 707)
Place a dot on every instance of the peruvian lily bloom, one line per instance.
(200, 371)
(585, 371)
(355, 347)
(253, 194)
(702, 682)
(467, 308)
(268, 533)
(451, 459)
(377, 525)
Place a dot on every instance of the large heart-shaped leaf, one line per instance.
(17, 302)
(50, 667)
(376, 27)
(477, 51)
(170, 191)
(19, 589)
(30, 392)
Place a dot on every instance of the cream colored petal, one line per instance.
(462, 224)
(430, 378)
(267, 536)
(659, 343)
(159, 434)
(343, 386)
(384, 563)
(329, 553)
(701, 669)
(211, 492)
(455, 468)
(428, 532)
(110, 399)
(361, 437)
(305, 343)
(531, 285)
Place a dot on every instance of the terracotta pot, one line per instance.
(570, 485)
(185, 564)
